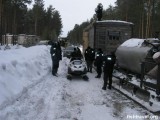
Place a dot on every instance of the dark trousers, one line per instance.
(89, 65)
(99, 71)
(55, 67)
(107, 76)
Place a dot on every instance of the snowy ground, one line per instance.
(28, 91)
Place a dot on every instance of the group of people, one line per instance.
(100, 61)
(97, 58)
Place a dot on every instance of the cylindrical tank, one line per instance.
(132, 53)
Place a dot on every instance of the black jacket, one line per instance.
(109, 62)
(89, 54)
(76, 53)
(56, 53)
(99, 59)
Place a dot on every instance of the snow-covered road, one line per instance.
(55, 98)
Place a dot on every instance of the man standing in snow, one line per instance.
(108, 70)
(99, 62)
(56, 55)
(89, 57)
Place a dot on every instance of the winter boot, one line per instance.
(103, 88)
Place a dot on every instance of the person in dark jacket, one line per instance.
(89, 57)
(108, 70)
(56, 55)
(76, 53)
(99, 62)
(79, 54)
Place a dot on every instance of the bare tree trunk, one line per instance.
(35, 26)
(148, 18)
(149, 24)
(14, 29)
(142, 19)
(1, 4)
(14, 23)
(126, 12)
(147, 27)
(149, 21)
(0, 13)
(126, 16)
(152, 18)
(142, 24)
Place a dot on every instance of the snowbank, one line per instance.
(20, 68)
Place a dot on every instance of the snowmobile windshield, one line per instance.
(77, 62)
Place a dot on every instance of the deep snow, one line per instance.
(28, 91)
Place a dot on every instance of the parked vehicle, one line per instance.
(107, 34)
(77, 67)
(67, 51)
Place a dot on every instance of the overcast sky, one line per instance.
(76, 11)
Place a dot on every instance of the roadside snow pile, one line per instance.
(20, 68)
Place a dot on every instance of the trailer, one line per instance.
(107, 34)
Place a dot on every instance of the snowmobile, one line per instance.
(77, 67)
